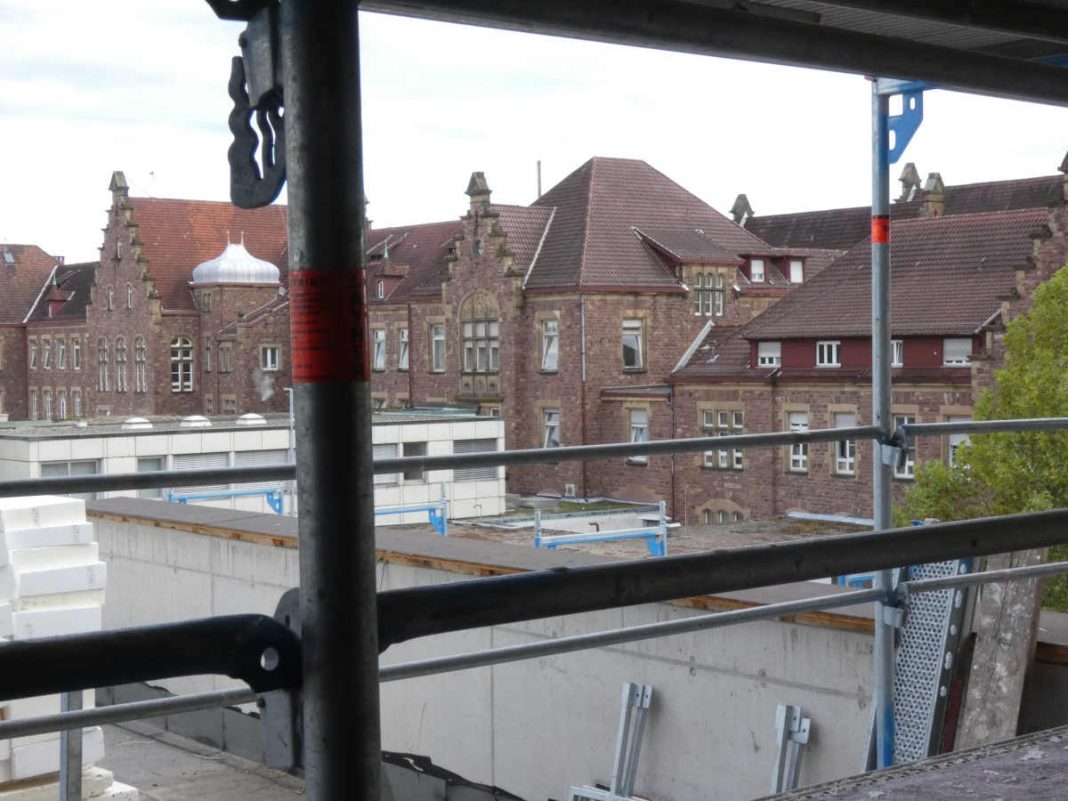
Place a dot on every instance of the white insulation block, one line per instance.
(77, 578)
(37, 759)
(55, 622)
(39, 511)
(44, 537)
(25, 559)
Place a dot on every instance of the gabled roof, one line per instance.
(180, 234)
(949, 275)
(687, 247)
(72, 284)
(423, 249)
(591, 242)
(23, 272)
(842, 228)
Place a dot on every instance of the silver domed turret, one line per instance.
(235, 265)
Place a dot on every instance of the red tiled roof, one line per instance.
(180, 234)
(525, 227)
(420, 248)
(948, 276)
(72, 286)
(687, 247)
(591, 242)
(724, 351)
(842, 228)
(22, 280)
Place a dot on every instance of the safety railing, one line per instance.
(265, 653)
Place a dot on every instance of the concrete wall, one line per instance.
(534, 727)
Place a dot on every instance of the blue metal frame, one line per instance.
(275, 497)
(436, 513)
(655, 537)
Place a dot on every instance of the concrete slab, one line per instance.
(166, 767)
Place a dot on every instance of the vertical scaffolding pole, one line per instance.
(341, 744)
(880, 402)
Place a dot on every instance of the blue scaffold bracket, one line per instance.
(904, 125)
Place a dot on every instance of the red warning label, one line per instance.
(880, 230)
(329, 330)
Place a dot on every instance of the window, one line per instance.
(906, 467)
(34, 413)
(89, 467)
(797, 271)
(550, 345)
(205, 301)
(897, 353)
(226, 357)
(121, 375)
(201, 461)
(956, 440)
(76, 353)
(414, 449)
(799, 450)
(46, 403)
(381, 290)
(378, 349)
(229, 404)
(829, 354)
(76, 402)
(111, 298)
(721, 423)
(259, 459)
(638, 422)
(633, 344)
(181, 364)
(33, 354)
(738, 517)
(437, 348)
(402, 352)
(102, 364)
(209, 404)
(269, 355)
(207, 355)
(708, 294)
(140, 365)
(845, 450)
(61, 353)
(956, 352)
(481, 333)
(550, 428)
(756, 271)
(150, 464)
(61, 401)
(46, 353)
(769, 354)
(129, 296)
(708, 517)
(474, 446)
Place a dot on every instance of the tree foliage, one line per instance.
(1007, 473)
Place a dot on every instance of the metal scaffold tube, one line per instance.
(341, 741)
(881, 393)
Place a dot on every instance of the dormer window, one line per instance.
(769, 354)
(897, 353)
(381, 290)
(956, 351)
(756, 271)
(829, 353)
(797, 271)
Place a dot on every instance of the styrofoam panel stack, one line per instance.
(52, 583)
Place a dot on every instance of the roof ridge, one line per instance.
(586, 223)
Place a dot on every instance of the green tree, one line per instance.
(1007, 473)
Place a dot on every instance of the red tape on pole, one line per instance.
(328, 326)
(880, 229)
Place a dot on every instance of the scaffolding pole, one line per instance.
(880, 400)
(321, 80)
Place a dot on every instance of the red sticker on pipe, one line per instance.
(328, 326)
(880, 229)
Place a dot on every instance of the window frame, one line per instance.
(753, 274)
(33, 357)
(633, 328)
(61, 353)
(436, 359)
(140, 365)
(550, 426)
(769, 360)
(378, 349)
(403, 350)
(829, 349)
(76, 353)
(550, 345)
(907, 471)
(638, 431)
(182, 363)
(845, 450)
(797, 268)
(897, 353)
(798, 451)
(964, 361)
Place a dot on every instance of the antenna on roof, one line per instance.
(242, 239)
(539, 177)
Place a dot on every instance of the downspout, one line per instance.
(582, 385)
(671, 405)
(411, 391)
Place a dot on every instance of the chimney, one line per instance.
(910, 182)
(933, 197)
(479, 192)
(1064, 183)
(741, 211)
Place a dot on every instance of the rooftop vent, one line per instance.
(135, 424)
(195, 421)
(251, 419)
(9, 257)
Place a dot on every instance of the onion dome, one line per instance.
(235, 265)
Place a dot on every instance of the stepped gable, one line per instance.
(949, 275)
(422, 249)
(840, 229)
(68, 294)
(24, 269)
(591, 243)
(177, 235)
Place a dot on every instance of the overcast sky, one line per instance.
(91, 87)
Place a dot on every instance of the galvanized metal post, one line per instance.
(70, 751)
(882, 475)
(341, 741)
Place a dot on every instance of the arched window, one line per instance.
(102, 364)
(181, 364)
(129, 296)
(62, 400)
(111, 298)
(121, 384)
(480, 329)
(140, 368)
